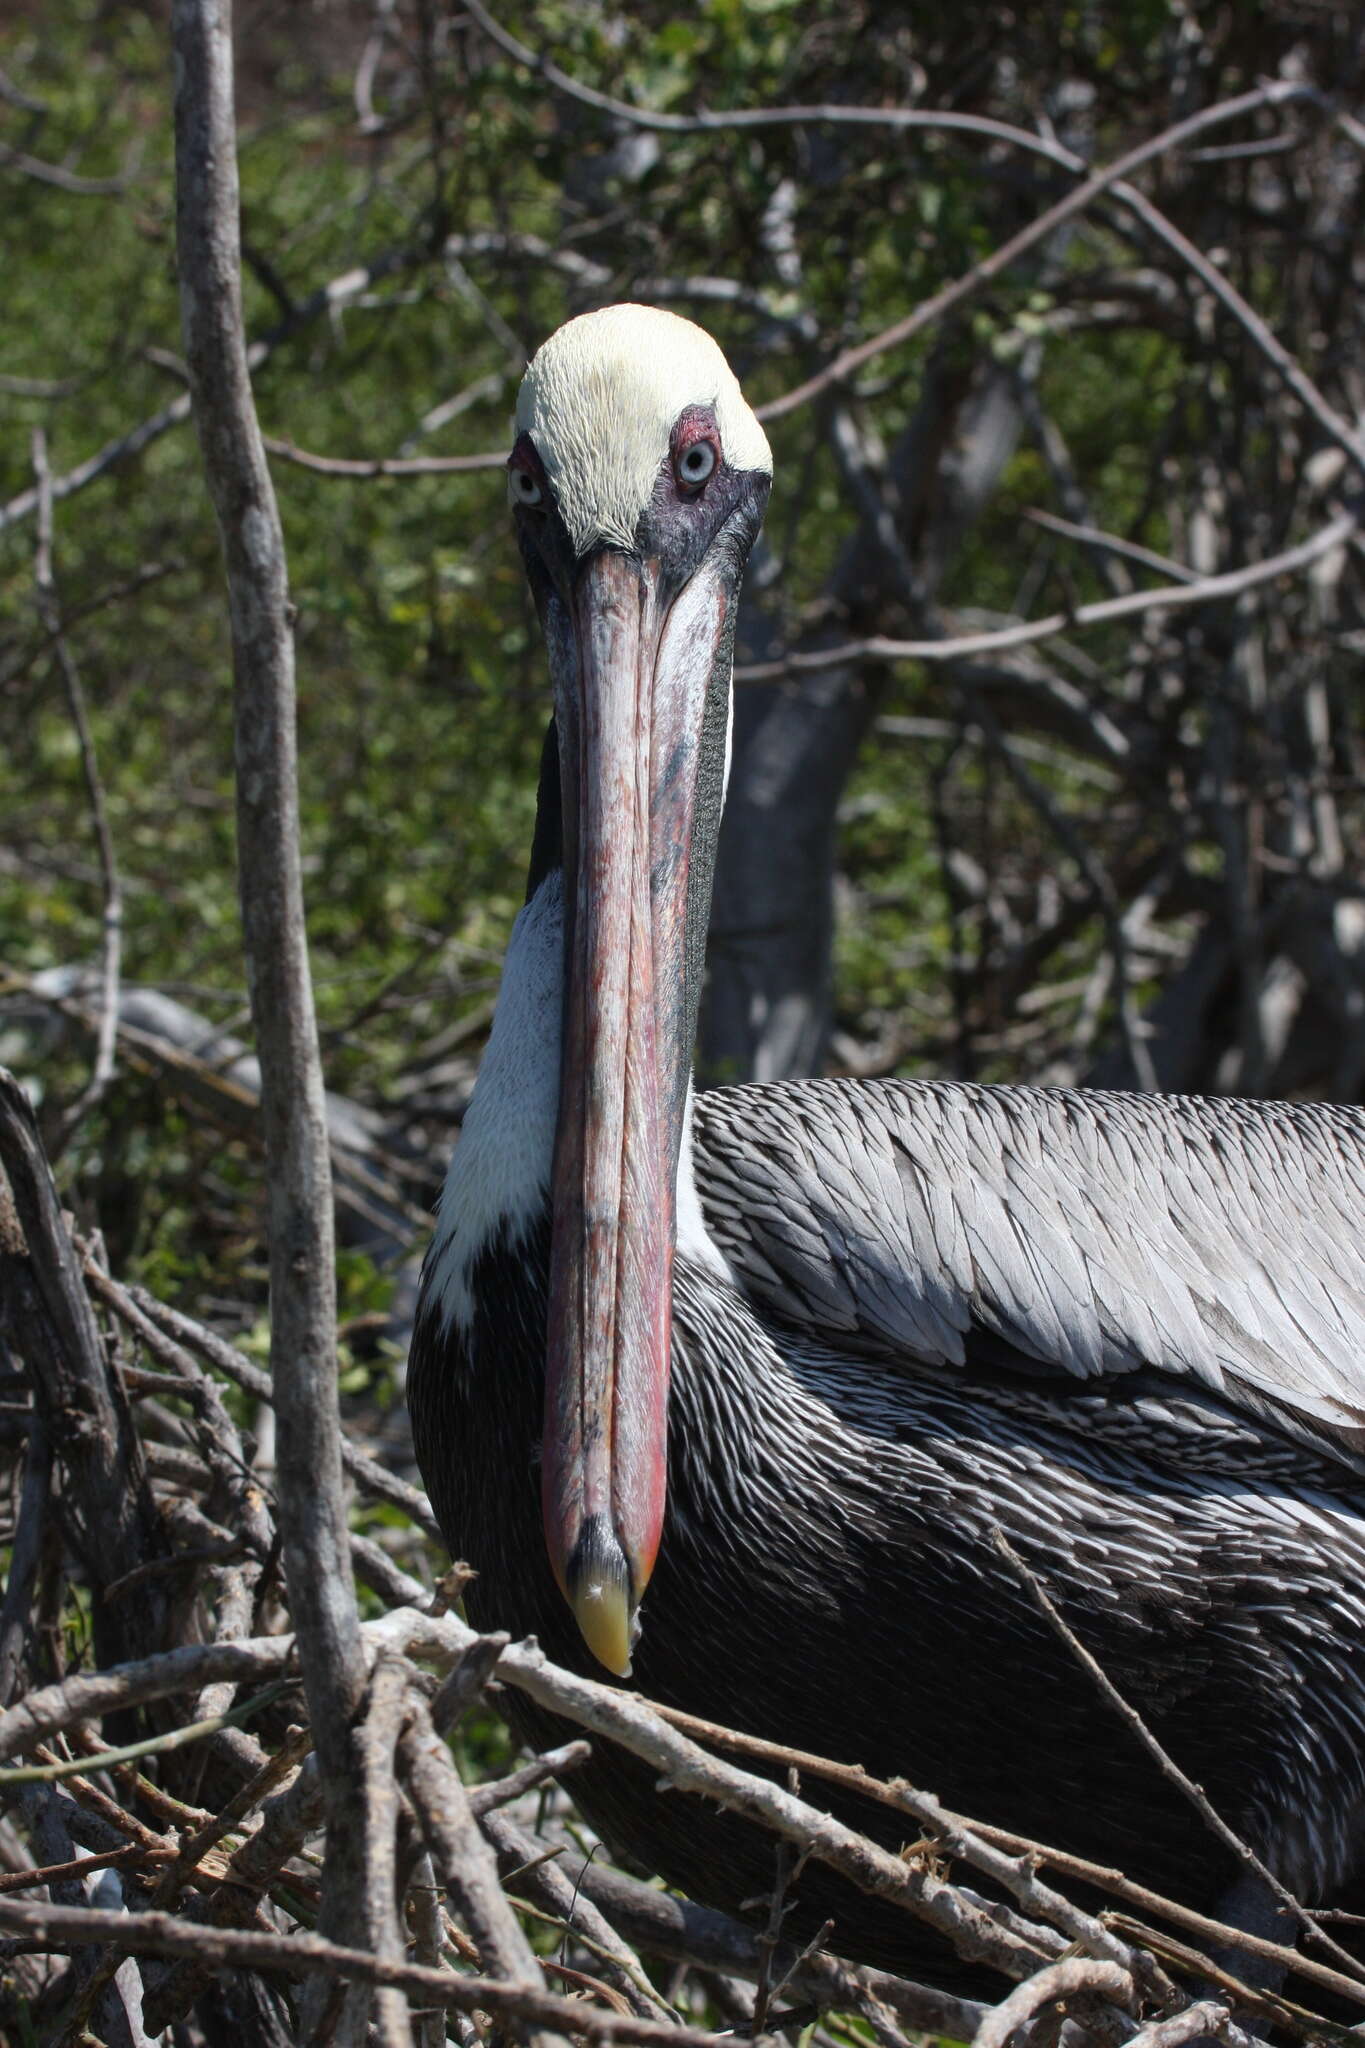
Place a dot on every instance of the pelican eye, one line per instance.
(524, 488)
(695, 463)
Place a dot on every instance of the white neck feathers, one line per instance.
(499, 1178)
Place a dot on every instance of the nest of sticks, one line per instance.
(179, 1863)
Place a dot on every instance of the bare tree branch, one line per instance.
(384, 465)
(1196, 590)
(1058, 1981)
(302, 1281)
(298, 1955)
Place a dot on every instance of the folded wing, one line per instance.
(1056, 1232)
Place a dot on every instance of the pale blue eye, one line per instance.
(696, 463)
(523, 487)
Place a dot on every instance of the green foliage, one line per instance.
(422, 698)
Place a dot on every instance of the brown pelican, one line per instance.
(732, 1395)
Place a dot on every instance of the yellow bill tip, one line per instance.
(602, 1609)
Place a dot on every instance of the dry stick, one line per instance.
(1113, 180)
(153, 1745)
(15, 96)
(1132, 1720)
(1059, 1980)
(134, 1784)
(23, 1564)
(377, 1570)
(85, 1825)
(928, 120)
(679, 1930)
(784, 1870)
(121, 449)
(107, 1810)
(553, 1763)
(463, 1859)
(85, 1993)
(414, 465)
(555, 1891)
(293, 1114)
(1170, 597)
(426, 1923)
(109, 1511)
(1096, 537)
(904, 1798)
(111, 947)
(376, 1741)
(236, 1582)
(23, 658)
(81, 1866)
(462, 1686)
(1267, 2005)
(86, 1695)
(1268, 344)
(223, 1453)
(708, 121)
(362, 86)
(288, 1819)
(185, 1870)
(58, 175)
(626, 1720)
(369, 1475)
(1206, 2016)
(990, 1934)
(217, 1434)
(299, 1955)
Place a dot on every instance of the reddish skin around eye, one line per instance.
(698, 423)
(524, 457)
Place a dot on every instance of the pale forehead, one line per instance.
(600, 400)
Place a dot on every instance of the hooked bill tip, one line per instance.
(599, 1592)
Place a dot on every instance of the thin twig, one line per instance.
(58, 175)
(86, 1695)
(1170, 597)
(1095, 537)
(557, 1893)
(361, 469)
(111, 942)
(153, 1745)
(369, 1475)
(1167, 1765)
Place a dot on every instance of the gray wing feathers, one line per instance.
(1095, 1234)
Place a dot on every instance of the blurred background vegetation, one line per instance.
(1130, 854)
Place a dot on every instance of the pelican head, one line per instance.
(638, 483)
